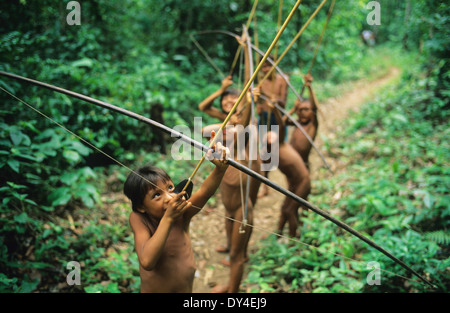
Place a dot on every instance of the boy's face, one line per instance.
(155, 200)
(228, 102)
(266, 67)
(304, 111)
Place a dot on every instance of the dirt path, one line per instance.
(208, 227)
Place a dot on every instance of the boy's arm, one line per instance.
(206, 105)
(205, 192)
(314, 104)
(312, 97)
(149, 248)
(280, 121)
(211, 183)
(283, 92)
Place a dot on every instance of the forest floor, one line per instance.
(208, 227)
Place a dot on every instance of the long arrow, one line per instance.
(283, 75)
(232, 162)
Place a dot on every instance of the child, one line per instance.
(160, 221)
(307, 117)
(234, 182)
(297, 175)
(227, 96)
(276, 89)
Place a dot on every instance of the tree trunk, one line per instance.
(406, 23)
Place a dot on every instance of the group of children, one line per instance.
(160, 217)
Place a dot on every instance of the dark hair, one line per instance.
(136, 187)
(233, 92)
(313, 107)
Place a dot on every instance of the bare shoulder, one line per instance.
(136, 222)
(281, 80)
(133, 218)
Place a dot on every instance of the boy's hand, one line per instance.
(256, 93)
(220, 156)
(235, 119)
(176, 206)
(242, 40)
(226, 82)
(308, 80)
(269, 104)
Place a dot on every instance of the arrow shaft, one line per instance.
(232, 162)
(283, 75)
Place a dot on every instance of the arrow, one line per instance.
(232, 162)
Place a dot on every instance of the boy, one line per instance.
(227, 96)
(296, 172)
(276, 89)
(307, 117)
(234, 182)
(160, 222)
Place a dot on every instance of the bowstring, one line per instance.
(241, 70)
(206, 55)
(319, 41)
(194, 206)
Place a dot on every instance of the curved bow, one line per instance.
(232, 162)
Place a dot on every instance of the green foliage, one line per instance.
(53, 187)
(441, 237)
(394, 190)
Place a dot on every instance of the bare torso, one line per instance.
(275, 89)
(299, 141)
(176, 267)
(230, 188)
(291, 165)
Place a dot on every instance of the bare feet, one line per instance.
(222, 249)
(226, 261)
(220, 289)
(263, 192)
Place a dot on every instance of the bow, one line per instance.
(231, 162)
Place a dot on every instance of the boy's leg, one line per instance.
(288, 215)
(228, 229)
(284, 214)
(299, 183)
(302, 189)
(265, 189)
(239, 242)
